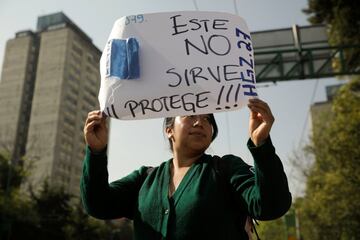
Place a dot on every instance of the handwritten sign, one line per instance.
(188, 63)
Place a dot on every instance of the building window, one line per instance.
(77, 50)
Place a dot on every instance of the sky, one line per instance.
(141, 142)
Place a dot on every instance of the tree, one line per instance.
(272, 230)
(16, 212)
(330, 208)
(85, 227)
(61, 216)
(11, 175)
(343, 21)
(54, 211)
(123, 229)
(50, 213)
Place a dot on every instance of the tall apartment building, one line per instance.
(50, 81)
(16, 91)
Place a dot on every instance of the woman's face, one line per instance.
(192, 133)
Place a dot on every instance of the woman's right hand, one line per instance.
(96, 131)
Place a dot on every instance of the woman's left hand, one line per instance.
(261, 121)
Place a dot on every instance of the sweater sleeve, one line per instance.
(103, 200)
(263, 188)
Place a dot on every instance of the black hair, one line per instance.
(169, 123)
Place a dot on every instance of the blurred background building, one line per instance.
(49, 82)
(321, 111)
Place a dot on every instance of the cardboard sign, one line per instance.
(176, 63)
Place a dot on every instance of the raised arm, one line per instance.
(260, 122)
(95, 131)
(264, 189)
(101, 199)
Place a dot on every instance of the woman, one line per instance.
(193, 195)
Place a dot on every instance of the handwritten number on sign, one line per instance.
(243, 35)
(134, 19)
(248, 45)
(249, 78)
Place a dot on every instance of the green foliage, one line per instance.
(330, 208)
(50, 213)
(16, 212)
(54, 212)
(343, 20)
(342, 16)
(11, 176)
(272, 230)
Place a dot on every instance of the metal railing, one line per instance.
(308, 63)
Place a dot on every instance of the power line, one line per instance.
(292, 167)
(308, 112)
(235, 7)
(196, 6)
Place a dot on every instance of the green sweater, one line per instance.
(204, 206)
